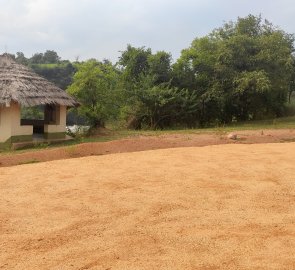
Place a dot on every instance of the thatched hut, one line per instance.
(21, 87)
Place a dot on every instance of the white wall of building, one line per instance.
(60, 123)
(17, 129)
(10, 123)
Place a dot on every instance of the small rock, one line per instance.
(232, 136)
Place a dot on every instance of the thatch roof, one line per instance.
(20, 84)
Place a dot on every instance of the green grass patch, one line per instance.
(30, 161)
(117, 133)
(49, 66)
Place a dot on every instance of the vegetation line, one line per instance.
(243, 71)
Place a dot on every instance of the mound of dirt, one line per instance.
(214, 207)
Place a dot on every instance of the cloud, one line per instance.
(101, 28)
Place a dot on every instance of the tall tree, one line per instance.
(51, 57)
(134, 62)
(20, 58)
(250, 54)
(159, 66)
(150, 98)
(37, 58)
(95, 85)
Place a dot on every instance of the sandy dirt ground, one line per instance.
(142, 143)
(214, 207)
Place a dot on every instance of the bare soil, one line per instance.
(143, 143)
(214, 207)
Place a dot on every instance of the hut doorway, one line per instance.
(51, 115)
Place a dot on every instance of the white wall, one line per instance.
(10, 123)
(5, 124)
(17, 129)
(61, 117)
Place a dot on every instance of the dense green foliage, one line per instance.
(36, 112)
(150, 98)
(49, 66)
(95, 85)
(243, 71)
(60, 74)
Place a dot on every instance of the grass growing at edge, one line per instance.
(116, 134)
(30, 161)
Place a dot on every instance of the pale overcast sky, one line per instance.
(101, 28)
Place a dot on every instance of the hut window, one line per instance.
(33, 116)
(32, 113)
